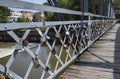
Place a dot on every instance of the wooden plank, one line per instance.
(100, 61)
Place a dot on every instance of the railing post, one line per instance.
(89, 30)
(103, 22)
(100, 7)
(109, 8)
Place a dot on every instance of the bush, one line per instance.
(23, 19)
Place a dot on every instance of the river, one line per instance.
(23, 59)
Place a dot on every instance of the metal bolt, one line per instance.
(5, 27)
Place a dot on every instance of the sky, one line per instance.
(31, 1)
(35, 1)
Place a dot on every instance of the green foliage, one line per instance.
(116, 6)
(23, 19)
(50, 16)
(46, 3)
(4, 13)
(75, 5)
(68, 4)
(37, 17)
(3, 19)
(72, 5)
(65, 3)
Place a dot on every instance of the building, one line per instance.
(27, 14)
(14, 16)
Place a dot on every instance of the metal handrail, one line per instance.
(38, 7)
(76, 36)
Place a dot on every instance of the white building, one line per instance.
(14, 16)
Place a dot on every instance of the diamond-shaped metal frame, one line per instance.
(77, 37)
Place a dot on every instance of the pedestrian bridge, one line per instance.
(90, 45)
(100, 61)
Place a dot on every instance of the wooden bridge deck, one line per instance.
(100, 61)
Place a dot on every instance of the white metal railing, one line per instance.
(38, 7)
(74, 37)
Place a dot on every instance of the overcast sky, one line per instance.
(35, 1)
(32, 1)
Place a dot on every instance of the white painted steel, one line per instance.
(12, 26)
(82, 34)
(58, 57)
(38, 7)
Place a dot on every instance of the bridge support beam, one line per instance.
(59, 17)
(84, 8)
(100, 7)
(109, 8)
(93, 6)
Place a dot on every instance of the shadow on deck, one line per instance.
(100, 61)
(106, 64)
(117, 55)
(115, 66)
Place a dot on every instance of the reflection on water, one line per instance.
(23, 59)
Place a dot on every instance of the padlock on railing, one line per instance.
(58, 36)
(5, 75)
(25, 42)
(36, 62)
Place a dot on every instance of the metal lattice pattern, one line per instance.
(72, 39)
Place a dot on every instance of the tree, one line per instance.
(23, 19)
(116, 6)
(39, 16)
(68, 4)
(49, 16)
(4, 13)
(76, 5)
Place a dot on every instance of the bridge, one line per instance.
(101, 60)
(78, 49)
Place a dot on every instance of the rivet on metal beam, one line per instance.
(5, 27)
